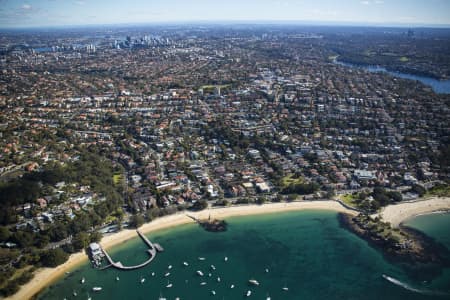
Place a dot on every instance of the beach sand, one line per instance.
(46, 276)
(398, 213)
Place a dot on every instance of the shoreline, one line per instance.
(46, 276)
(398, 213)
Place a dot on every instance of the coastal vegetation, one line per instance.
(371, 201)
(441, 190)
(398, 244)
(67, 234)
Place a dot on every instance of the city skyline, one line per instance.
(44, 13)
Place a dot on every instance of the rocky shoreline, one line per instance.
(214, 225)
(406, 245)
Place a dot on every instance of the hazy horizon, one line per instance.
(385, 13)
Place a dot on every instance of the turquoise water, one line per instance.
(305, 251)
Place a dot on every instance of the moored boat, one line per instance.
(253, 281)
(97, 288)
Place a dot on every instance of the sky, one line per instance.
(43, 13)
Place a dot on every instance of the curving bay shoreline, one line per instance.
(46, 276)
(398, 213)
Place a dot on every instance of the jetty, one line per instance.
(153, 249)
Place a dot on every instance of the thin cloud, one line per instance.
(26, 7)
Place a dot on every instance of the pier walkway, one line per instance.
(153, 248)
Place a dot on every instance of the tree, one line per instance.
(80, 240)
(23, 238)
(53, 257)
(4, 234)
(136, 221)
(95, 237)
(200, 205)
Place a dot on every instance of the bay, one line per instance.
(438, 86)
(305, 251)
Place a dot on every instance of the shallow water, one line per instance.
(305, 251)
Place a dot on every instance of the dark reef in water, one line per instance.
(402, 245)
(213, 225)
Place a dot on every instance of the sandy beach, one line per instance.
(46, 276)
(396, 214)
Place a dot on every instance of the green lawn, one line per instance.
(289, 180)
(210, 87)
(349, 199)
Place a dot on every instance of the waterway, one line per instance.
(305, 251)
(438, 86)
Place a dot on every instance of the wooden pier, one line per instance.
(153, 248)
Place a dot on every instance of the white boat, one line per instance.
(209, 274)
(248, 293)
(232, 286)
(218, 279)
(75, 293)
(185, 263)
(97, 288)
(82, 280)
(169, 285)
(161, 297)
(200, 273)
(169, 267)
(285, 289)
(225, 259)
(253, 281)
(213, 267)
(117, 278)
(213, 292)
(167, 274)
(267, 270)
(201, 258)
(203, 283)
(268, 298)
(153, 273)
(142, 280)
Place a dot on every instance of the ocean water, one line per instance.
(305, 251)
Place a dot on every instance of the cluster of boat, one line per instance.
(248, 293)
